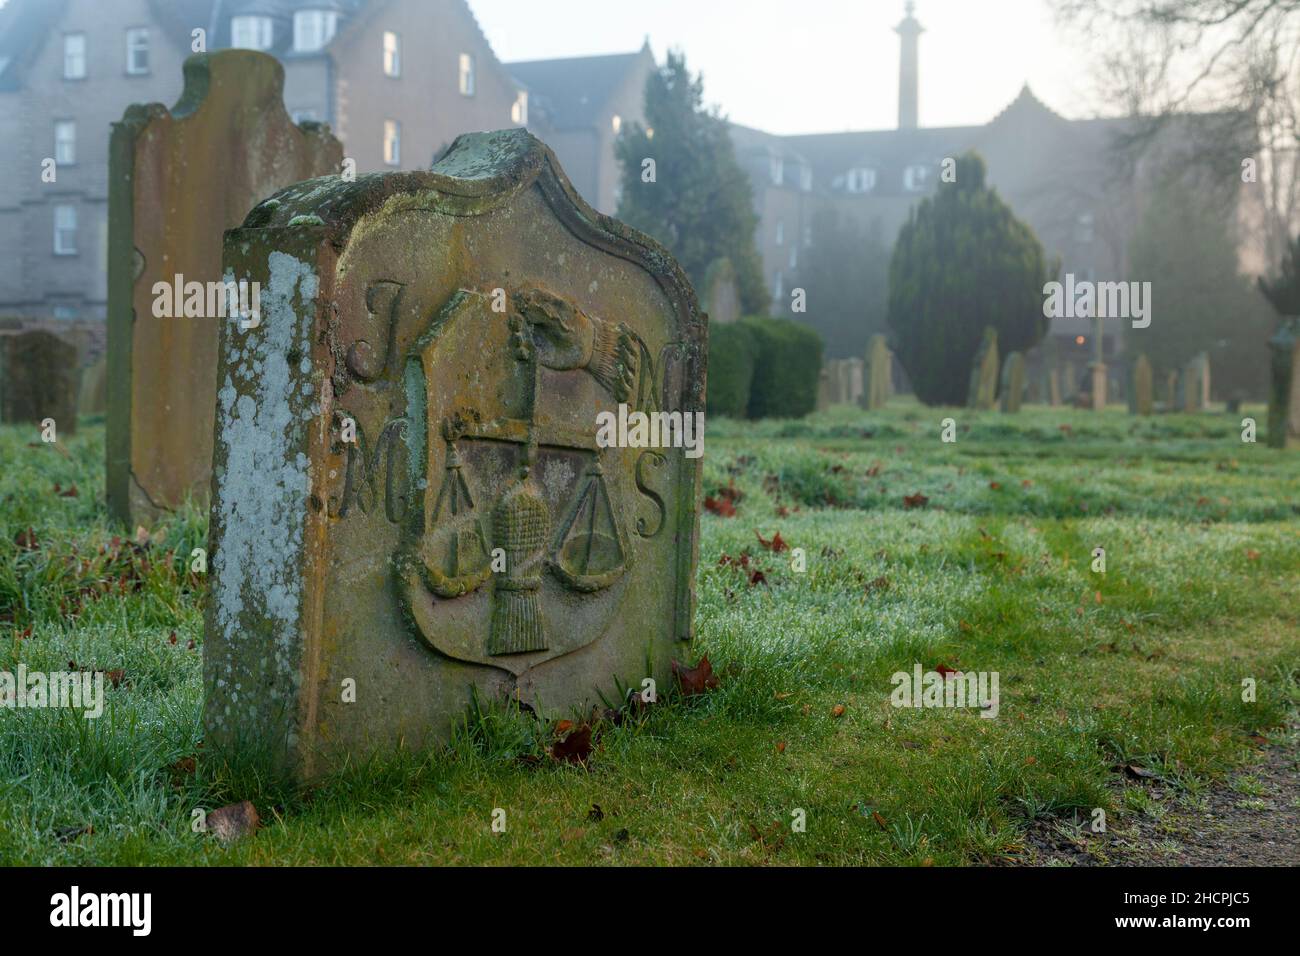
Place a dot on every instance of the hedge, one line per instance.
(731, 369)
(787, 368)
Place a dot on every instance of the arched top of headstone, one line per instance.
(242, 83)
(480, 172)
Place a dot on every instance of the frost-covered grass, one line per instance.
(1142, 665)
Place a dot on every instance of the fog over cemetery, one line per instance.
(411, 455)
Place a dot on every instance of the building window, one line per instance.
(805, 178)
(794, 257)
(519, 111)
(776, 169)
(137, 51)
(807, 236)
(392, 54)
(780, 233)
(392, 142)
(250, 33)
(616, 124)
(65, 230)
(67, 313)
(467, 74)
(778, 287)
(916, 177)
(312, 29)
(861, 180)
(74, 56)
(65, 143)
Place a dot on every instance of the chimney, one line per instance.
(908, 31)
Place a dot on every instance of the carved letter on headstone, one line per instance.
(474, 537)
(179, 179)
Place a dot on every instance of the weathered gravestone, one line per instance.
(1053, 386)
(837, 381)
(1194, 385)
(178, 180)
(1284, 390)
(984, 374)
(1141, 390)
(1070, 382)
(39, 380)
(468, 325)
(854, 375)
(880, 373)
(825, 390)
(721, 292)
(94, 388)
(1013, 382)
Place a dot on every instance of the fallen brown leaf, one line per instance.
(697, 679)
(574, 748)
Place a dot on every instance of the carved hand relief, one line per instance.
(516, 528)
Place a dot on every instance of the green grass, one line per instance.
(1142, 665)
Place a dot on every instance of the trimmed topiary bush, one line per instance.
(731, 369)
(787, 368)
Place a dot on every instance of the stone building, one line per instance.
(396, 80)
(1058, 175)
(580, 106)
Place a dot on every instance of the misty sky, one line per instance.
(805, 66)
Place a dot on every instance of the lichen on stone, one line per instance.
(262, 479)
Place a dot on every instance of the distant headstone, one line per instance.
(721, 292)
(94, 388)
(825, 389)
(843, 381)
(179, 179)
(1194, 387)
(1054, 387)
(39, 379)
(1284, 390)
(418, 496)
(1141, 392)
(1098, 382)
(880, 374)
(856, 375)
(1013, 382)
(1070, 385)
(1173, 391)
(984, 375)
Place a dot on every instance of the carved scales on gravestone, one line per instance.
(470, 323)
(452, 556)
